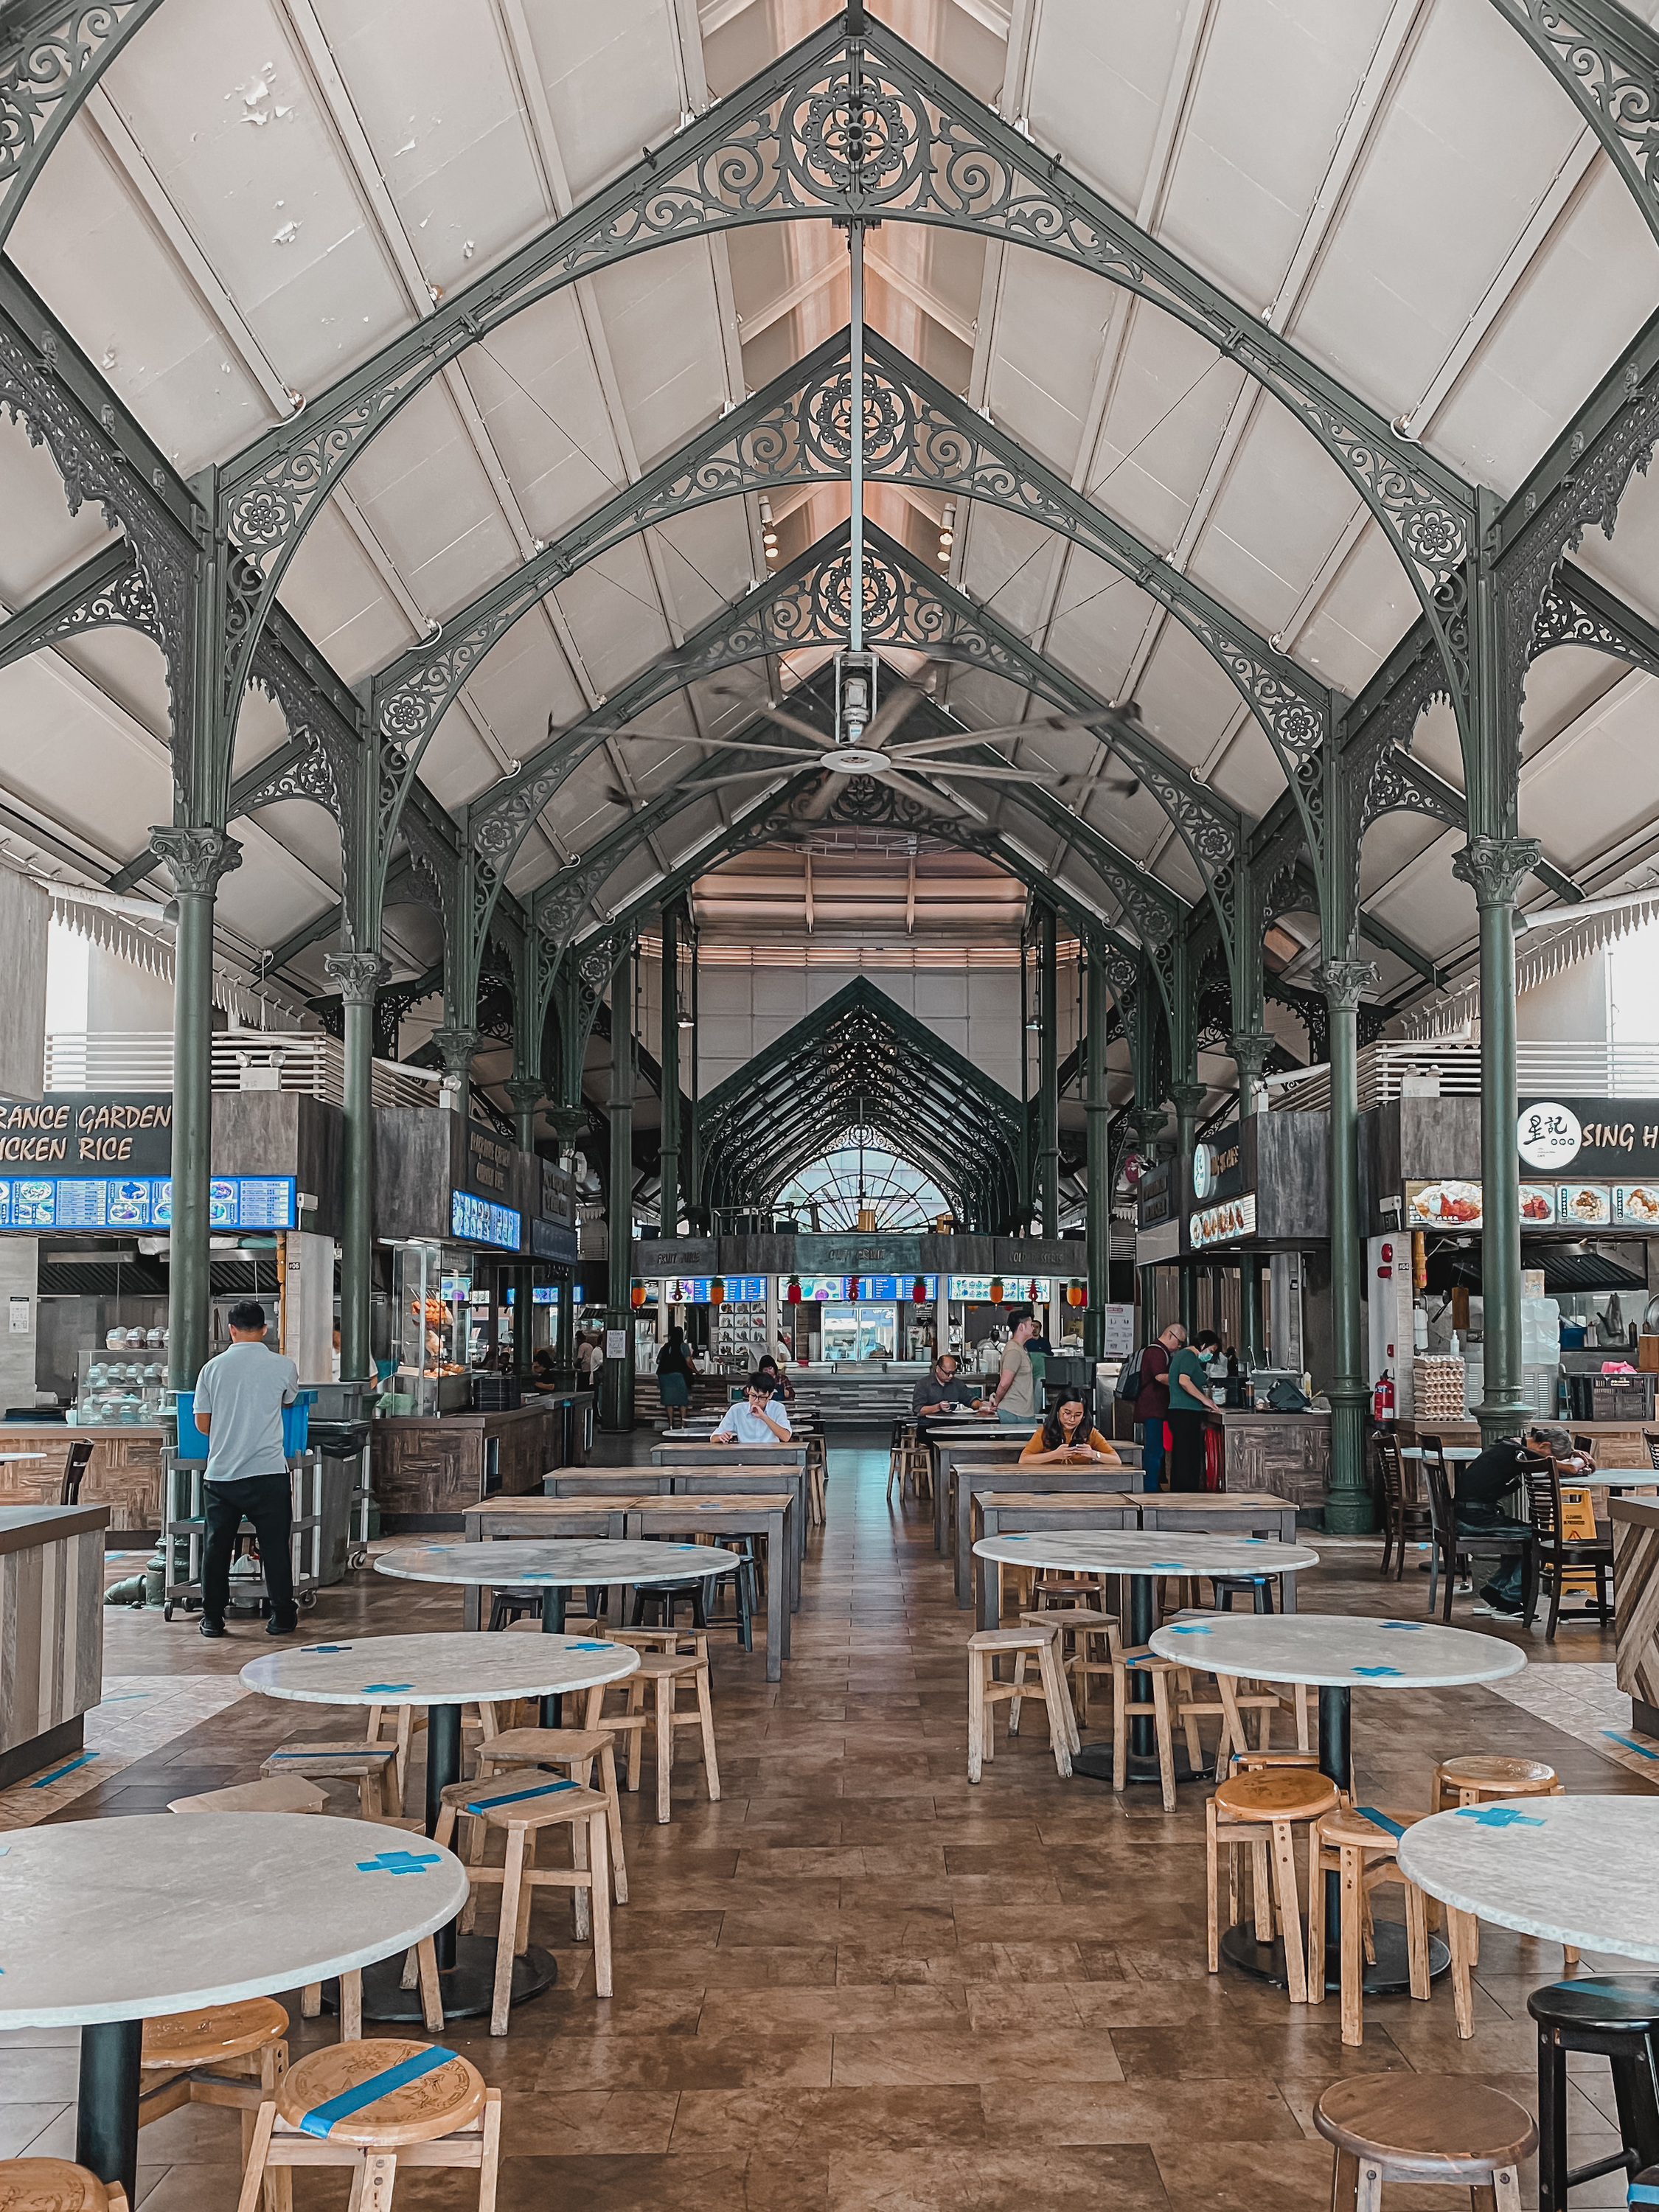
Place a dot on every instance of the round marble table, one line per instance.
(1142, 1555)
(443, 1674)
(107, 1924)
(1582, 1871)
(1338, 1653)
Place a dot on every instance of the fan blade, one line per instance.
(819, 805)
(984, 775)
(932, 802)
(899, 704)
(1038, 726)
(704, 744)
(617, 797)
(1125, 787)
(777, 714)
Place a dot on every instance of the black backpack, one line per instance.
(1128, 1375)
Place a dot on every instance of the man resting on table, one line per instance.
(756, 1419)
(1477, 1503)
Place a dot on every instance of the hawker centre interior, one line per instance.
(829, 1105)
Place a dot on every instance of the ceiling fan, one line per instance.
(860, 744)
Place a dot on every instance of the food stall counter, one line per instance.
(427, 1469)
(1286, 1453)
(51, 1599)
(125, 1473)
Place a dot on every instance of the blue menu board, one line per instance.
(480, 1221)
(235, 1202)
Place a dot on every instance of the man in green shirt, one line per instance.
(1190, 1401)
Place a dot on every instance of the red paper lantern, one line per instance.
(919, 1290)
(791, 1295)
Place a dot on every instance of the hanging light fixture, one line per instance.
(638, 1294)
(947, 535)
(1076, 1295)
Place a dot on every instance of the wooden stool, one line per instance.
(817, 1477)
(1274, 1798)
(372, 1767)
(56, 2185)
(232, 2055)
(985, 1693)
(902, 1431)
(917, 1468)
(1616, 2016)
(1083, 1624)
(1360, 1845)
(523, 1813)
(283, 1793)
(1139, 1659)
(570, 1748)
(1487, 1778)
(665, 1671)
(1424, 2128)
(431, 2109)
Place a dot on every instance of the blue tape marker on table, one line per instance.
(397, 1863)
(1413, 1625)
(592, 1647)
(1192, 1632)
(322, 2117)
(305, 1650)
(1167, 1567)
(387, 1685)
(1497, 1816)
(1371, 1673)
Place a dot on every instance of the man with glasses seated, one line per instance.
(940, 1389)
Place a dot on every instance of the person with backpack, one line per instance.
(1144, 1378)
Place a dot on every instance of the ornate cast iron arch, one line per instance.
(832, 130)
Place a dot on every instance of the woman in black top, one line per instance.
(677, 1374)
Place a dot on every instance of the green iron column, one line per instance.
(525, 1093)
(668, 1172)
(197, 858)
(358, 976)
(617, 1375)
(1187, 1099)
(1250, 1050)
(1048, 1075)
(569, 1127)
(1495, 866)
(1348, 1506)
(695, 1211)
(1098, 1110)
(1149, 1124)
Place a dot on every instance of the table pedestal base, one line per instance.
(467, 1989)
(1390, 1977)
(1095, 1760)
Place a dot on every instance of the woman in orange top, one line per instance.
(1064, 1437)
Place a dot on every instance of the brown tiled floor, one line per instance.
(857, 1982)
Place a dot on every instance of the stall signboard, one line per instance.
(1155, 1195)
(1217, 1172)
(478, 1220)
(1016, 1289)
(1594, 1137)
(1222, 1225)
(1119, 1332)
(1457, 1204)
(235, 1202)
(693, 1290)
(489, 1164)
(1451, 1203)
(821, 1289)
(554, 1240)
(883, 1290)
(77, 1133)
(547, 1294)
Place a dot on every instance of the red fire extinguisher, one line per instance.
(1383, 1397)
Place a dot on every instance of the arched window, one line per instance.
(863, 1171)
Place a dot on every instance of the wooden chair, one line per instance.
(433, 2111)
(1273, 1799)
(74, 1468)
(575, 1750)
(1502, 1540)
(1360, 1844)
(1585, 1446)
(1405, 1520)
(1650, 1438)
(522, 1812)
(985, 1693)
(665, 1671)
(231, 2054)
(1557, 1556)
(1424, 2128)
(57, 2184)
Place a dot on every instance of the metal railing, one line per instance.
(243, 1060)
(1392, 1070)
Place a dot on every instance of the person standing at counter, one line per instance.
(677, 1375)
(1189, 1402)
(1015, 1398)
(240, 1397)
(756, 1419)
(1152, 1399)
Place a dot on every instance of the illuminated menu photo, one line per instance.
(476, 1220)
(235, 1202)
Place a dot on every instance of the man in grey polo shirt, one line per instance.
(240, 1397)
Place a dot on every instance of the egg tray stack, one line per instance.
(1436, 1388)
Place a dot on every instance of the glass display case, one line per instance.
(431, 1287)
(860, 1332)
(120, 1387)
